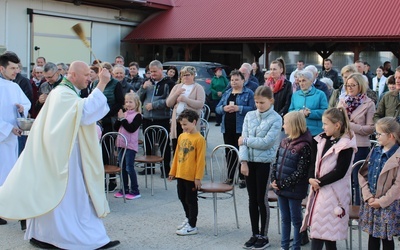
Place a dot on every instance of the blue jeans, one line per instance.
(362, 153)
(128, 168)
(21, 143)
(290, 214)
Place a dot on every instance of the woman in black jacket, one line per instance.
(256, 72)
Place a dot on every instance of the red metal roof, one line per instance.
(272, 20)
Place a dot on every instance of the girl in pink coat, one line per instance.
(327, 211)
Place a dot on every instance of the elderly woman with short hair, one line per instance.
(311, 101)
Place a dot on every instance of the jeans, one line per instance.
(290, 214)
(257, 182)
(21, 143)
(128, 168)
(362, 153)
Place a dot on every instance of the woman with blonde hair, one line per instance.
(187, 94)
(360, 111)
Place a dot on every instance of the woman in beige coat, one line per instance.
(187, 94)
(360, 110)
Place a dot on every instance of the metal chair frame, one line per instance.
(115, 165)
(354, 214)
(205, 112)
(155, 143)
(218, 188)
(272, 197)
(204, 129)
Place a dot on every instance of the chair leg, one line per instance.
(351, 234)
(151, 174)
(279, 216)
(165, 177)
(359, 236)
(145, 175)
(215, 214)
(234, 205)
(205, 167)
(121, 181)
(107, 184)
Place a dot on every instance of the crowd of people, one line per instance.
(298, 137)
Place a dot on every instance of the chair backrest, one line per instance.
(373, 143)
(223, 156)
(112, 151)
(155, 140)
(204, 128)
(357, 165)
(205, 112)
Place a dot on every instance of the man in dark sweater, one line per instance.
(153, 94)
(329, 73)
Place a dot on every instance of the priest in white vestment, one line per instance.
(62, 171)
(12, 101)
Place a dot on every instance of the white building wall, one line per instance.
(15, 31)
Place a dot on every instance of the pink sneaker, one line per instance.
(132, 196)
(119, 194)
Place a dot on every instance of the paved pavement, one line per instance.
(150, 221)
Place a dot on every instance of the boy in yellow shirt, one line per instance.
(188, 168)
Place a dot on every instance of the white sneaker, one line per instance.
(187, 230)
(184, 223)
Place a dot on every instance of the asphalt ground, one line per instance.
(150, 222)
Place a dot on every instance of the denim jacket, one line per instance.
(244, 100)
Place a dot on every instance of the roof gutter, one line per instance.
(83, 18)
(263, 39)
(150, 4)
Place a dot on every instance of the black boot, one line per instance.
(41, 244)
(110, 244)
(23, 224)
(2, 222)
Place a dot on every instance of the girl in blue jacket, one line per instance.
(257, 150)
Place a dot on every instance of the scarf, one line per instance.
(352, 102)
(277, 85)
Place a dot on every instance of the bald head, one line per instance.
(79, 74)
(77, 66)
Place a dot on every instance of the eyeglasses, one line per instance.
(187, 75)
(350, 85)
(379, 134)
(49, 77)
